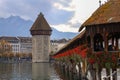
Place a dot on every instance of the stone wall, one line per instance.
(40, 48)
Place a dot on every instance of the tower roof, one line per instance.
(106, 13)
(40, 24)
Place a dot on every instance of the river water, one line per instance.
(27, 71)
(31, 71)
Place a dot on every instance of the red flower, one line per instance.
(113, 58)
(83, 53)
(91, 60)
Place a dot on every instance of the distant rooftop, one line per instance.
(60, 40)
(9, 39)
(16, 39)
(25, 39)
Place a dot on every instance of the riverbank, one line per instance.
(15, 60)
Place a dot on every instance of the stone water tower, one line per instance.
(40, 32)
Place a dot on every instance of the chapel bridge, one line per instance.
(97, 47)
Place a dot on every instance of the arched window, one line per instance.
(98, 42)
(113, 41)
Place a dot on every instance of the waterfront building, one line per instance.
(25, 44)
(13, 42)
(56, 45)
(19, 44)
(40, 32)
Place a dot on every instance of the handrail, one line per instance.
(110, 75)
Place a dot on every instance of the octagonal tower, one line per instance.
(40, 32)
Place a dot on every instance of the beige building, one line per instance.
(40, 32)
(56, 45)
(25, 44)
(13, 42)
(19, 44)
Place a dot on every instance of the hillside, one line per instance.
(16, 26)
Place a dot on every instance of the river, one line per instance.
(27, 71)
(31, 71)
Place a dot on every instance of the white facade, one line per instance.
(54, 47)
(15, 47)
(25, 44)
(60, 45)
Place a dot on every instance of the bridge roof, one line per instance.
(105, 14)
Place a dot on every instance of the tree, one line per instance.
(5, 49)
(5, 46)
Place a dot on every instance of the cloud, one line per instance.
(65, 28)
(25, 8)
(1, 2)
(64, 15)
(57, 12)
(60, 6)
(82, 10)
(69, 26)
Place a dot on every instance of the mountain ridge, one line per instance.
(16, 26)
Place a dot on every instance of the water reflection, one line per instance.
(19, 71)
(27, 71)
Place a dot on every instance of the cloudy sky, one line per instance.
(64, 15)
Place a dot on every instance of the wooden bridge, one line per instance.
(97, 47)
